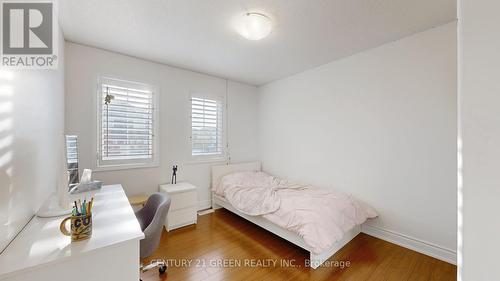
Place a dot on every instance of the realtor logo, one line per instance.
(28, 35)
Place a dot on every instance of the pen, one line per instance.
(76, 208)
(90, 205)
(84, 207)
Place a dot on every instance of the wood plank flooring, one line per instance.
(223, 246)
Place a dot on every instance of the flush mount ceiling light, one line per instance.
(254, 26)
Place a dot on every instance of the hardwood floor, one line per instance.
(223, 246)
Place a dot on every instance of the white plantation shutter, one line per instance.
(207, 127)
(127, 127)
(72, 158)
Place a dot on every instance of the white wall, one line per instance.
(86, 64)
(479, 98)
(31, 140)
(380, 125)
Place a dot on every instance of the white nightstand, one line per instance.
(183, 209)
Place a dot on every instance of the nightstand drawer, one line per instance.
(181, 217)
(184, 204)
(183, 200)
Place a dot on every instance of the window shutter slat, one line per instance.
(127, 127)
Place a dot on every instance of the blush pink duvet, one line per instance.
(320, 216)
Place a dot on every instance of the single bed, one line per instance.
(315, 259)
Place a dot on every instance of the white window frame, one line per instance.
(209, 158)
(109, 165)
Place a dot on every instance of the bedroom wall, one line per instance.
(380, 125)
(479, 99)
(31, 140)
(86, 64)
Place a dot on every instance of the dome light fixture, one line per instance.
(254, 26)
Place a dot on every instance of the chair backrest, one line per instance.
(152, 218)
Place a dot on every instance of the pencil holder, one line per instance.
(81, 227)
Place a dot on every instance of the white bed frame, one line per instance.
(218, 202)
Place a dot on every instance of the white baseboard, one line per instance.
(205, 212)
(411, 243)
(205, 204)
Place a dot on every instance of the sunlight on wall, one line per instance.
(6, 124)
(6, 75)
(6, 90)
(7, 141)
(9, 222)
(5, 159)
(6, 107)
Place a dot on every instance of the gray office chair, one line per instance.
(151, 218)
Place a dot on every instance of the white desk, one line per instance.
(41, 252)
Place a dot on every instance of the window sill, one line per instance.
(105, 168)
(202, 160)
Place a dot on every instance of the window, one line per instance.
(127, 125)
(72, 159)
(207, 128)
